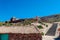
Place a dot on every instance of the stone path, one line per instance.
(52, 30)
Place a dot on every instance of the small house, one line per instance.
(20, 33)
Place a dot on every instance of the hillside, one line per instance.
(51, 18)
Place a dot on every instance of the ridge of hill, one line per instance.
(51, 18)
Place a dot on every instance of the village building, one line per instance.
(15, 20)
(20, 33)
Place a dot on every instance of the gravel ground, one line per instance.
(48, 38)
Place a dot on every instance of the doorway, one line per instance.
(3, 36)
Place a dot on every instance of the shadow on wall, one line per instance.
(58, 38)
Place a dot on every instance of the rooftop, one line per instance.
(21, 29)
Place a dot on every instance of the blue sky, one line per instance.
(28, 8)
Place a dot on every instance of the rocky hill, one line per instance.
(51, 18)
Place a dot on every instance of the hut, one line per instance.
(20, 33)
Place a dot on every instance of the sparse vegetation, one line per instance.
(1, 23)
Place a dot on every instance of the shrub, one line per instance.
(42, 33)
(40, 27)
(46, 25)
